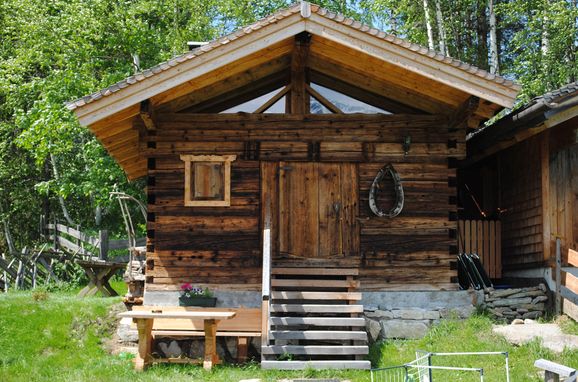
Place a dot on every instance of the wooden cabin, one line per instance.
(523, 171)
(268, 141)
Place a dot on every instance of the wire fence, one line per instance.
(422, 369)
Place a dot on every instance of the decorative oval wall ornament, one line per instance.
(399, 198)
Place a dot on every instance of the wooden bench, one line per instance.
(553, 371)
(245, 324)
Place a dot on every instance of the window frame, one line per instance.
(189, 168)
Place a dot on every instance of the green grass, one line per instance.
(59, 339)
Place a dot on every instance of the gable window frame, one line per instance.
(190, 161)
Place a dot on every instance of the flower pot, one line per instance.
(198, 301)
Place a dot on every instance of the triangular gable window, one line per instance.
(254, 104)
(345, 103)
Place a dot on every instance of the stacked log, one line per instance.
(522, 303)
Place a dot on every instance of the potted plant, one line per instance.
(196, 296)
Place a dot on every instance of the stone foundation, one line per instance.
(517, 303)
(409, 315)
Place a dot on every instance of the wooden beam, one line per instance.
(545, 176)
(273, 100)
(299, 99)
(324, 101)
(375, 84)
(464, 113)
(146, 114)
(234, 97)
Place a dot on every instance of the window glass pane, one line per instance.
(318, 108)
(346, 103)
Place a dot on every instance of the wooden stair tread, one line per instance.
(301, 295)
(318, 335)
(316, 271)
(318, 321)
(315, 283)
(316, 349)
(316, 308)
(301, 365)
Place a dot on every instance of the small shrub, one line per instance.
(40, 295)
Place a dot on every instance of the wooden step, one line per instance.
(316, 295)
(315, 283)
(301, 365)
(315, 350)
(317, 321)
(316, 271)
(318, 335)
(316, 308)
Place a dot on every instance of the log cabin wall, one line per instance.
(221, 246)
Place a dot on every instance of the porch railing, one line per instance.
(483, 237)
(566, 281)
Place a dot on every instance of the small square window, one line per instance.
(208, 180)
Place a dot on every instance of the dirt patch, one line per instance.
(550, 335)
(111, 342)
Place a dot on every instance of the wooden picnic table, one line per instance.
(144, 321)
(99, 272)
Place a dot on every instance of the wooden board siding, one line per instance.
(221, 245)
(520, 181)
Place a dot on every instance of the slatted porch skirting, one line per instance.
(483, 237)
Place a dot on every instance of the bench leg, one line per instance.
(550, 376)
(211, 357)
(143, 358)
(242, 344)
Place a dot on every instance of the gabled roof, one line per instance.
(543, 112)
(316, 20)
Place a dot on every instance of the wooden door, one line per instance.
(316, 206)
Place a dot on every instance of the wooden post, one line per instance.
(545, 176)
(103, 244)
(5, 275)
(299, 98)
(558, 277)
(144, 327)
(266, 286)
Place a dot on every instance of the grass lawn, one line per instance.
(58, 339)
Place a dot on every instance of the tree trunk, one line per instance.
(482, 38)
(60, 198)
(430, 37)
(441, 29)
(494, 58)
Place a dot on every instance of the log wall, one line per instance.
(220, 246)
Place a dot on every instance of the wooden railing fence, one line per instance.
(483, 237)
(566, 281)
(74, 241)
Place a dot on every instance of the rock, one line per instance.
(125, 332)
(173, 350)
(382, 314)
(406, 329)
(461, 312)
(496, 313)
(539, 299)
(528, 321)
(542, 287)
(532, 315)
(373, 329)
(532, 293)
(415, 314)
(431, 315)
(513, 301)
(518, 321)
(370, 308)
(521, 310)
(532, 307)
(504, 292)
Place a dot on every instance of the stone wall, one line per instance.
(522, 303)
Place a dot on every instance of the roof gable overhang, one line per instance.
(282, 26)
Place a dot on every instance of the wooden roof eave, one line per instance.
(226, 54)
(412, 61)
